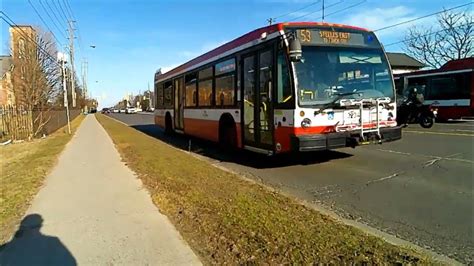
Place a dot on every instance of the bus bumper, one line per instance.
(329, 141)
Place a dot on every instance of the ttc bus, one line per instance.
(286, 87)
(449, 89)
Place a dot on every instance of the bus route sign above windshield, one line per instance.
(336, 37)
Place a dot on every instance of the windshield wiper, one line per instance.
(339, 96)
(346, 94)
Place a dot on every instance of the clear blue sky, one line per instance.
(135, 38)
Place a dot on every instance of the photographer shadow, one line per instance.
(30, 247)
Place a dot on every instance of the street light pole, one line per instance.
(85, 70)
(61, 57)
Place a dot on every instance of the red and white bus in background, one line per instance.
(450, 89)
(285, 87)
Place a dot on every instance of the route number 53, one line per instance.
(305, 35)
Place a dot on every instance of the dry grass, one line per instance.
(23, 167)
(228, 220)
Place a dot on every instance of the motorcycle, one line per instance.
(412, 110)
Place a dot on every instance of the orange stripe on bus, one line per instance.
(160, 121)
(205, 129)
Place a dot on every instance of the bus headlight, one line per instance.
(306, 123)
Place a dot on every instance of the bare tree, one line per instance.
(37, 76)
(451, 39)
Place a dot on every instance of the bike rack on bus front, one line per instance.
(371, 102)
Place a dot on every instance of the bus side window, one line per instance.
(168, 94)
(284, 92)
(191, 88)
(420, 84)
(399, 85)
(159, 95)
(451, 86)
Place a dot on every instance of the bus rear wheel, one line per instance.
(227, 134)
(228, 140)
(168, 124)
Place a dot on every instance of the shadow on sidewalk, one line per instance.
(30, 247)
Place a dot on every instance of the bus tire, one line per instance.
(227, 133)
(168, 124)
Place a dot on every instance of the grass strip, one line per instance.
(228, 220)
(23, 167)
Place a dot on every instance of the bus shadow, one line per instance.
(242, 157)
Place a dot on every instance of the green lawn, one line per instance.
(23, 167)
(228, 220)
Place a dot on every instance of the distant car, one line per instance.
(105, 110)
(131, 110)
(115, 110)
(122, 110)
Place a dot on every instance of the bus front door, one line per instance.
(257, 80)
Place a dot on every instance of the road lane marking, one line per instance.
(459, 160)
(397, 152)
(464, 130)
(456, 125)
(447, 158)
(439, 133)
(384, 178)
(433, 161)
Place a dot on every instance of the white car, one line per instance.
(131, 110)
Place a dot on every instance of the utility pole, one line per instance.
(62, 58)
(84, 67)
(270, 21)
(152, 99)
(323, 10)
(71, 58)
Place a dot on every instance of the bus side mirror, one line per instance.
(295, 50)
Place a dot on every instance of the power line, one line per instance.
(299, 9)
(11, 23)
(310, 13)
(65, 10)
(52, 11)
(422, 17)
(70, 9)
(346, 8)
(71, 15)
(54, 23)
(61, 14)
(425, 35)
(44, 22)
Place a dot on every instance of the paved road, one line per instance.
(94, 211)
(419, 188)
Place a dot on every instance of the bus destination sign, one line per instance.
(335, 38)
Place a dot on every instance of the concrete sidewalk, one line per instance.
(93, 210)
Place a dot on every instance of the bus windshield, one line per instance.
(327, 73)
